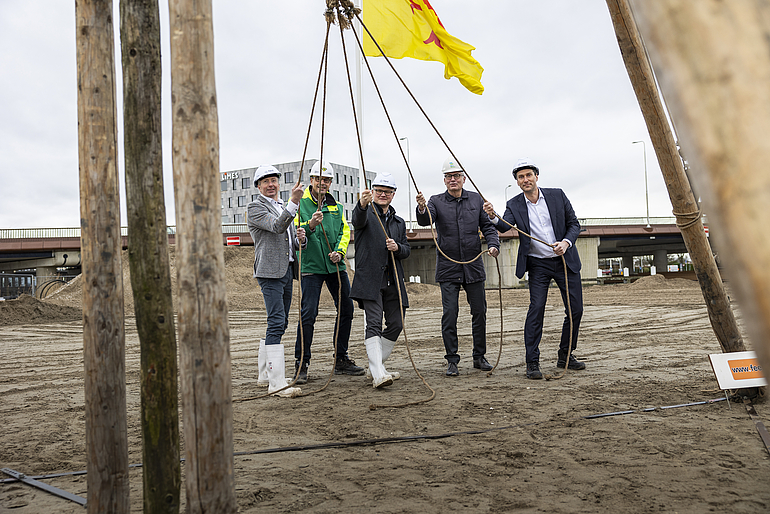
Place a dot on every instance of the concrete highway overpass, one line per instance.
(46, 252)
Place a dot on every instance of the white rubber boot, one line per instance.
(276, 372)
(387, 347)
(380, 377)
(262, 381)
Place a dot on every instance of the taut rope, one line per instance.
(411, 175)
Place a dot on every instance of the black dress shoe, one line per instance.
(347, 366)
(451, 370)
(533, 370)
(573, 362)
(482, 364)
(302, 376)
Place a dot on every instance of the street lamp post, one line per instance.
(646, 193)
(506, 192)
(408, 183)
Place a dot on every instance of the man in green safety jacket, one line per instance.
(324, 253)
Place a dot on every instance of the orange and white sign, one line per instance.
(737, 370)
(233, 240)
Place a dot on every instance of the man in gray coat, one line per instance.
(275, 243)
(459, 217)
(377, 282)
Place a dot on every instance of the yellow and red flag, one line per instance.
(411, 28)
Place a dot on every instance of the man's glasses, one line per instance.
(324, 180)
(383, 192)
(455, 176)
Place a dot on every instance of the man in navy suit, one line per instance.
(546, 214)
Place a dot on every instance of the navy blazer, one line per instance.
(565, 226)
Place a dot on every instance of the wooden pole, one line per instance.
(204, 334)
(148, 254)
(100, 240)
(714, 68)
(682, 198)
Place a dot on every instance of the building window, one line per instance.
(347, 213)
(285, 195)
(235, 184)
(346, 197)
(241, 202)
(245, 183)
(225, 219)
(345, 178)
(337, 195)
(338, 178)
(238, 218)
(223, 185)
(254, 198)
(230, 203)
(288, 177)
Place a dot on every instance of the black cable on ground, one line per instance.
(410, 438)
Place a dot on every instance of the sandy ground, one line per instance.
(645, 345)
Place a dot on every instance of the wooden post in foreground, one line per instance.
(682, 198)
(148, 254)
(100, 241)
(204, 335)
(712, 63)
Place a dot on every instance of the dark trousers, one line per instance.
(277, 295)
(311, 294)
(474, 293)
(387, 302)
(541, 271)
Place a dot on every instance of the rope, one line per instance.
(382, 226)
(321, 69)
(319, 206)
(344, 21)
(687, 219)
(430, 215)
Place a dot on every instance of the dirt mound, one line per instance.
(26, 309)
(660, 282)
(243, 292)
(422, 295)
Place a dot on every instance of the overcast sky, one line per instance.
(556, 92)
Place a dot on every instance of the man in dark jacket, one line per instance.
(547, 214)
(459, 216)
(376, 283)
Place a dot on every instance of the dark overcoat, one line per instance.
(458, 223)
(372, 256)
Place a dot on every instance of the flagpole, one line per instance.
(359, 100)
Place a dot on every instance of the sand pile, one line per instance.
(26, 309)
(661, 282)
(243, 292)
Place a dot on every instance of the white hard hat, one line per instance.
(322, 171)
(265, 170)
(385, 180)
(525, 163)
(451, 166)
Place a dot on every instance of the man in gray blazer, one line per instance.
(275, 243)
